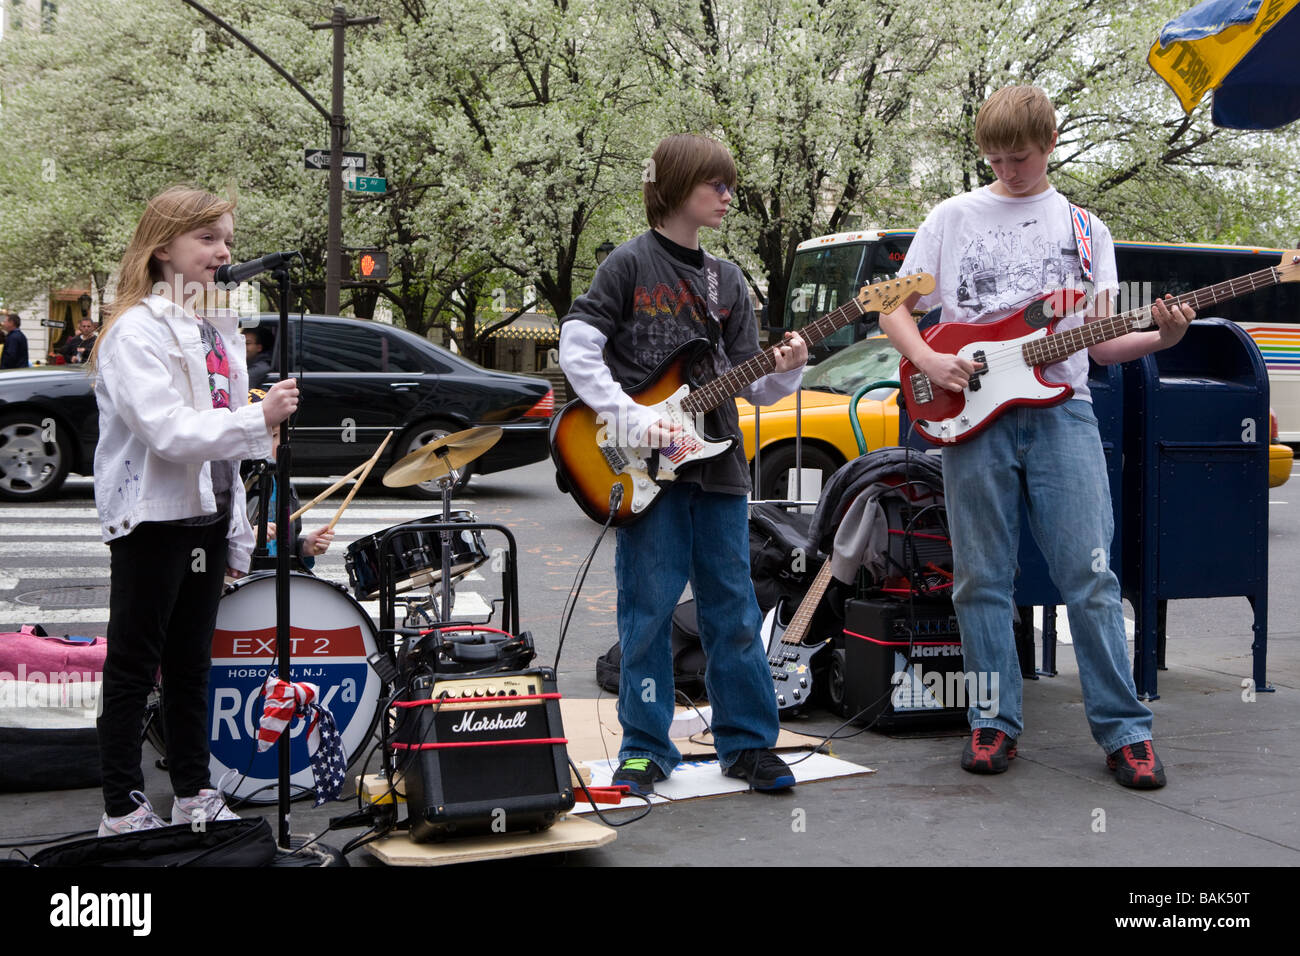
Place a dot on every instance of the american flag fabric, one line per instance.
(284, 702)
(329, 763)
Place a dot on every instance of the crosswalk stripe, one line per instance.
(378, 512)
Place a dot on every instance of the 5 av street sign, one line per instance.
(320, 159)
(365, 184)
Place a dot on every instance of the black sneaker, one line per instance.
(988, 750)
(1137, 766)
(763, 769)
(640, 774)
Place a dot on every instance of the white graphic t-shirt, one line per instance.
(990, 255)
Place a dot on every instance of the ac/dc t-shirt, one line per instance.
(990, 255)
(648, 303)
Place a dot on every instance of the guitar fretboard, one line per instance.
(739, 377)
(1060, 345)
(884, 296)
(802, 618)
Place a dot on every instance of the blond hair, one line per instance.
(678, 165)
(173, 212)
(1015, 117)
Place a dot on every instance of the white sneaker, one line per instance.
(141, 818)
(209, 805)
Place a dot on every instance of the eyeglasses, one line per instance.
(722, 189)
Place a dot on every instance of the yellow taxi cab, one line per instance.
(828, 440)
(1279, 456)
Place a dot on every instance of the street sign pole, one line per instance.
(334, 242)
(339, 23)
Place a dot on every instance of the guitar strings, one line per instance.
(1011, 357)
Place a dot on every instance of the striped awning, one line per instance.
(530, 325)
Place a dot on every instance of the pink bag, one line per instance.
(49, 699)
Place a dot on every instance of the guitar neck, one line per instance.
(1060, 345)
(802, 618)
(737, 379)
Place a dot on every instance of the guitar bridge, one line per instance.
(921, 391)
(614, 456)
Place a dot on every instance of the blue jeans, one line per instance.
(1053, 459)
(703, 537)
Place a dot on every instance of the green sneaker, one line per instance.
(639, 774)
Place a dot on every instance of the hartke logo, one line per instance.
(937, 650)
(468, 724)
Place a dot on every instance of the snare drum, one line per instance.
(331, 638)
(415, 556)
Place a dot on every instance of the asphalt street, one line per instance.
(1233, 797)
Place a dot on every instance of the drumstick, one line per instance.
(327, 492)
(360, 481)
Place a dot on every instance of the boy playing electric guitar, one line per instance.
(992, 250)
(651, 295)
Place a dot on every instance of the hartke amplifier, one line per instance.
(901, 670)
(482, 754)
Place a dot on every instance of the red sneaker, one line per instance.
(989, 750)
(1137, 766)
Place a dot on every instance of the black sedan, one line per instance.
(359, 380)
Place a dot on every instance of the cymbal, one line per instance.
(449, 453)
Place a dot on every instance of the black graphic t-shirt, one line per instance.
(648, 303)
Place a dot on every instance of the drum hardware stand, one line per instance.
(283, 466)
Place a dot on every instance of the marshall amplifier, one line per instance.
(902, 668)
(482, 754)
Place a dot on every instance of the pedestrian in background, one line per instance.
(14, 352)
(77, 348)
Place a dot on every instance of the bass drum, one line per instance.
(331, 636)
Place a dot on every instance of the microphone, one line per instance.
(243, 271)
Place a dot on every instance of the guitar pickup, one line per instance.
(921, 391)
(978, 357)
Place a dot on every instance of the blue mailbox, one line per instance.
(1196, 483)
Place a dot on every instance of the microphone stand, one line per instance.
(284, 533)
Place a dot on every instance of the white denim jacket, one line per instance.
(157, 427)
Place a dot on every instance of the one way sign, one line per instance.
(320, 159)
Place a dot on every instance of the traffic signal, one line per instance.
(372, 264)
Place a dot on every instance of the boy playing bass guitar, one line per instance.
(991, 250)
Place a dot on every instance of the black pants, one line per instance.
(166, 583)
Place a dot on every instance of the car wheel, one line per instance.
(416, 439)
(773, 483)
(35, 456)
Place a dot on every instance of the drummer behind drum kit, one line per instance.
(357, 665)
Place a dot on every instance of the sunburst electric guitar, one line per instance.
(1010, 353)
(605, 475)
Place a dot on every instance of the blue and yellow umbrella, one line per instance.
(1246, 51)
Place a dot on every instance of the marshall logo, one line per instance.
(468, 724)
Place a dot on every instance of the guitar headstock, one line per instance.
(1288, 270)
(887, 296)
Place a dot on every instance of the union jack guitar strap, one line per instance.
(1082, 224)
